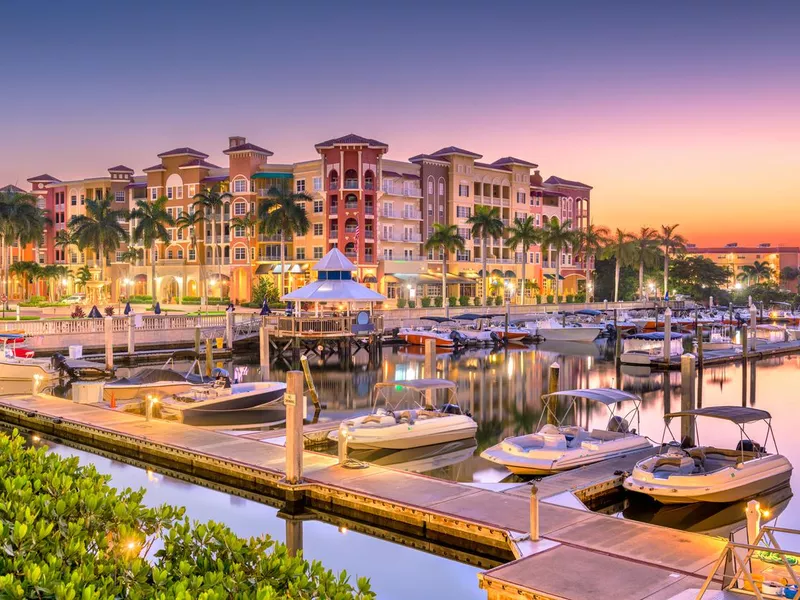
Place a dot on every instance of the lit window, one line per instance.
(240, 253)
(240, 186)
(179, 192)
(317, 184)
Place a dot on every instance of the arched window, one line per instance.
(350, 250)
(350, 179)
(369, 180)
(350, 225)
(334, 180)
(351, 202)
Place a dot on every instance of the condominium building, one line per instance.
(377, 210)
(735, 257)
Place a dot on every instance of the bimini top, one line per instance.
(654, 335)
(474, 317)
(419, 385)
(589, 311)
(735, 414)
(436, 319)
(607, 396)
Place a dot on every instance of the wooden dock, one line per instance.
(723, 357)
(581, 554)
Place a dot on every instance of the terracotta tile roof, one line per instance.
(158, 167)
(183, 151)
(44, 177)
(420, 157)
(198, 162)
(491, 166)
(455, 150)
(559, 181)
(136, 184)
(510, 160)
(120, 169)
(248, 146)
(351, 139)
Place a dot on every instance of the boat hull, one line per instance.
(404, 436)
(21, 369)
(160, 389)
(419, 339)
(569, 334)
(268, 401)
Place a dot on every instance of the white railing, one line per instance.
(119, 324)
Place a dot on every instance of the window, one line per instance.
(153, 194)
(387, 254)
(169, 193)
(192, 191)
(318, 206)
(118, 256)
(462, 256)
(300, 253)
(441, 188)
(521, 197)
(240, 186)
(460, 169)
(317, 184)
(238, 231)
(301, 185)
(119, 196)
(317, 251)
(83, 200)
(240, 253)
(463, 190)
(430, 209)
(169, 254)
(240, 208)
(463, 212)
(180, 234)
(73, 200)
(465, 232)
(318, 229)
(179, 192)
(192, 254)
(430, 187)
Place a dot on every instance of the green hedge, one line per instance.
(426, 301)
(211, 300)
(401, 303)
(143, 299)
(68, 534)
(438, 302)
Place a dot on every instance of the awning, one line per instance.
(290, 269)
(419, 277)
(370, 279)
(453, 278)
(552, 276)
(510, 274)
(262, 175)
(263, 270)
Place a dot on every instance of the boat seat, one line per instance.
(406, 416)
(603, 435)
(526, 442)
(664, 466)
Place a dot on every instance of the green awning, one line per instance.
(552, 276)
(271, 176)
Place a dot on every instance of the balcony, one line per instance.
(333, 210)
(369, 185)
(334, 233)
(406, 192)
(333, 185)
(351, 206)
(369, 210)
(351, 229)
(351, 184)
(351, 255)
(166, 262)
(412, 214)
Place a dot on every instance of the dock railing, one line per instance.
(309, 326)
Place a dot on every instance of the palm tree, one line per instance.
(99, 229)
(486, 223)
(746, 273)
(54, 274)
(446, 239)
(646, 246)
(671, 242)
(63, 240)
(131, 255)
(281, 212)
(190, 221)
(591, 242)
(152, 220)
(23, 269)
(210, 202)
(789, 274)
(762, 269)
(525, 234)
(558, 237)
(82, 276)
(621, 248)
(20, 218)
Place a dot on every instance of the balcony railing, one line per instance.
(350, 206)
(369, 185)
(334, 233)
(333, 210)
(334, 185)
(351, 184)
(351, 228)
(369, 210)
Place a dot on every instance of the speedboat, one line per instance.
(395, 427)
(201, 403)
(558, 447)
(684, 473)
(641, 348)
(18, 363)
(420, 460)
(419, 335)
(473, 334)
(165, 381)
(720, 339)
(554, 331)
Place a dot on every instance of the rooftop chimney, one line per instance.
(236, 140)
(536, 178)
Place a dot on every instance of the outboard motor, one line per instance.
(458, 338)
(618, 424)
(496, 337)
(749, 446)
(451, 409)
(222, 378)
(611, 332)
(59, 363)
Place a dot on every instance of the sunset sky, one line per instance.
(678, 112)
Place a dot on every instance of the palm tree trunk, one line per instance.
(616, 279)
(445, 299)
(153, 278)
(666, 271)
(283, 262)
(588, 278)
(483, 251)
(641, 280)
(558, 276)
(5, 267)
(522, 296)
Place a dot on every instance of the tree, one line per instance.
(210, 202)
(622, 250)
(282, 213)
(446, 239)
(558, 237)
(20, 219)
(591, 241)
(762, 269)
(152, 220)
(697, 276)
(25, 270)
(54, 274)
(189, 222)
(789, 274)
(671, 243)
(746, 273)
(82, 276)
(99, 229)
(523, 233)
(486, 223)
(646, 247)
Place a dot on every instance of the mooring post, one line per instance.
(109, 339)
(745, 344)
(534, 513)
(197, 333)
(209, 358)
(294, 426)
(617, 338)
(312, 389)
(342, 443)
(552, 387)
(263, 351)
(18, 316)
(667, 335)
(753, 512)
(131, 334)
(700, 346)
(688, 386)
(430, 368)
(753, 323)
(229, 328)
(294, 536)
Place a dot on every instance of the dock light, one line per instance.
(37, 380)
(343, 530)
(36, 438)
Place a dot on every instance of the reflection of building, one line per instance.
(378, 211)
(735, 257)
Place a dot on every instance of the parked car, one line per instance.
(74, 299)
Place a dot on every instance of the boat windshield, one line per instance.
(416, 393)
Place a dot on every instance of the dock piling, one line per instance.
(263, 351)
(131, 334)
(197, 332)
(534, 513)
(688, 386)
(209, 358)
(294, 426)
(667, 334)
(700, 346)
(552, 387)
(753, 512)
(108, 331)
(229, 328)
(745, 344)
(312, 389)
(342, 444)
(430, 368)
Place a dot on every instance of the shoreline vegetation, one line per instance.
(68, 534)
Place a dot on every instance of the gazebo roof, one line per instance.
(334, 261)
(334, 290)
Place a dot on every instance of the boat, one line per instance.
(164, 381)
(554, 331)
(512, 333)
(719, 339)
(684, 473)
(203, 403)
(557, 447)
(392, 426)
(420, 460)
(18, 363)
(642, 348)
(419, 335)
(770, 333)
(475, 333)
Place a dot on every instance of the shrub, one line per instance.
(264, 287)
(550, 298)
(211, 300)
(499, 300)
(412, 304)
(143, 299)
(438, 302)
(426, 302)
(570, 298)
(452, 300)
(538, 298)
(77, 313)
(401, 303)
(69, 534)
(478, 301)
(109, 310)
(464, 300)
(580, 296)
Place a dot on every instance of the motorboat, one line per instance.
(202, 403)
(770, 333)
(164, 381)
(783, 312)
(18, 363)
(420, 460)
(554, 331)
(474, 333)
(393, 426)
(419, 335)
(642, 348)
(793, 334)
(719, 338)
(683, 473)
(557, 447)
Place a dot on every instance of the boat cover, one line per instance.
(605, 395)
(146, 376)
(736, 414)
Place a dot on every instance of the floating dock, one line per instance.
(580, 554)
(723, 357)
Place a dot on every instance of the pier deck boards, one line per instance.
(607, 557)
(721, 357)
